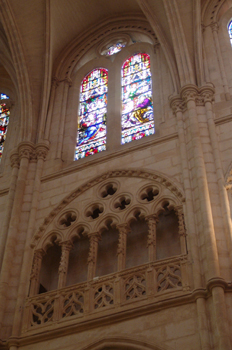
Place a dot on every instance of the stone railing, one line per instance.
(143, 282)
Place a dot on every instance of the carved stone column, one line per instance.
(189, 94)
(214, 26)
(63, 268)
(152, 221)
(35, 272)
(25, 150)
(182, 231)
(123, 231)
(39, 155)
(207, 92)
(178, 108)
(3, 236)
(94, 238)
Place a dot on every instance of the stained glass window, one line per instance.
(114, 49)
(91, 135)
(230, 31)
(137, 105)
(4, 97)
(4, 121)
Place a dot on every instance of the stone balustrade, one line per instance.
(114, 291)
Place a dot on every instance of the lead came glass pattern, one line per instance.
(137, 105)
(230, 31)
(4, 121)
(115, 49)
(91, 135)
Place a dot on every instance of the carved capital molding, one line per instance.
(207, 93)
(216, 282)
(189, 93)
(41, 151)
(14, 159)
(214, 26)
(176, 104)
(55, 82)
(26, 150)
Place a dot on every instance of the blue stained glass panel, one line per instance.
(91, 135)
(230, 31)
(4, 97)
(137, 104)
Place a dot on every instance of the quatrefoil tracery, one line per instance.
(67, 219)
(122, 202)
(108, 190)
(95, 211)
(149, 194)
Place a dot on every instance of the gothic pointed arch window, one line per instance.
(137, 105)
(230, 31)
(4, 120)
(91, 133)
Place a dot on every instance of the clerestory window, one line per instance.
(137, 105)
(91, 134)
(137, 115)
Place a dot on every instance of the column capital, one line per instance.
(123, 228)
(14, 158)
(152, 219)
(189, 93)
(176, 104)
(26, 149)
(41, 150)
(66, 245)
(214, 26)
(55, 82)
(207, 92)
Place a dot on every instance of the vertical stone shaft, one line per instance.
(25, 150)
(63, 268)
(177, 106)
(222, 323)
(10, 200)
(203, 324)
(41, 151)
(92, 259)
(214, 27)
(123, 231)
(207, 93)
(189, 93)
(152, 221)
(62, 118)
(50, 110)
(35, 272)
